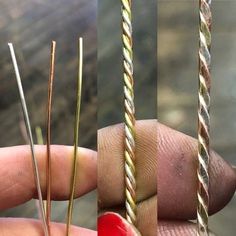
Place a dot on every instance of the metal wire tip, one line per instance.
(29, 133)
(76, 137)
(48, 128)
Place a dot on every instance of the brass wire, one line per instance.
(76, 137)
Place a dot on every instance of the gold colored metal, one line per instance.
(76, 137)
(30, 137)
(130, 172)
(39, 137)
(49, 108)
(205, 20)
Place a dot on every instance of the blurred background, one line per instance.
(31, 25)
(178, 81)
(110, 71)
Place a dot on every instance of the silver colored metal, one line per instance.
(29, 132)
(205, 21)
(130, 171)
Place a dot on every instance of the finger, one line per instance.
(146, 215)
(22, 227)
(113, 224)
(17, 179)
(111, 162)
(177, 228)
(177, 178)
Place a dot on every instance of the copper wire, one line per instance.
(76, 137)
(130, 181)
(203, 116)
(30, 137)
(49, 108)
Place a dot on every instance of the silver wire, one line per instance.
(29, 132)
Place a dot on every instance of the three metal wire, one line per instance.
(45, 211)
(205, 20)
(130, 172)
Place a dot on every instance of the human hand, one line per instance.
(111, 181)
(177, 182)
(17, 184)
(176, 154)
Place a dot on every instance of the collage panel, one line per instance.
(31, 26)
(196, 41)
(127, 139)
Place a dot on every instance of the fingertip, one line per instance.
(113, 224)
(183, 228)
(22, 227)
(177, 176)
(222, 183)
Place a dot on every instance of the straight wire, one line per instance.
(76, 137)
(129, 152)
(205, 21)
(28, 127)
(49, 108)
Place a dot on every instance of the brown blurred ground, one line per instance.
(110, 83)
(31, 25)
(178, 81)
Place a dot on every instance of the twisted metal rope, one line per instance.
(130, 181)
(203, 116)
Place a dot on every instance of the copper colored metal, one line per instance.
(130, 172)
(49, 108)
(203, 116)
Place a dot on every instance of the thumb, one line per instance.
(183, 228)
(113, 224)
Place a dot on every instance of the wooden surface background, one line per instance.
(31, 25)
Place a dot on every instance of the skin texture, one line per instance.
(176, 177)
(176, 154)
(18, 227)
(17, 184)
(111, 172)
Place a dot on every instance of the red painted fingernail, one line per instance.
(112, 224)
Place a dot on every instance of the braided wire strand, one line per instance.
(205, 20)
(130, 182)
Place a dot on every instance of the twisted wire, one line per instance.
(205, 20)
(130, 190)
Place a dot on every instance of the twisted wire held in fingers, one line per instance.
(203, 115)
(130, 190)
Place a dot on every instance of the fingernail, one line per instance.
(113, 224)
